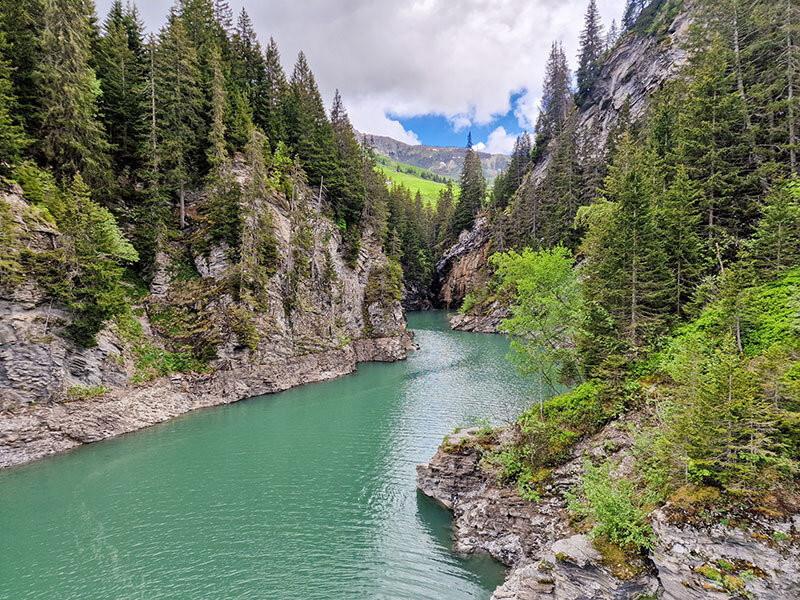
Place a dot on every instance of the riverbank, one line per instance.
(304, 494)
(550, 559)
(34, 431)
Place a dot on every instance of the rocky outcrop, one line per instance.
(312, 317)
(487, 321)
(464, 266)
(549, 560)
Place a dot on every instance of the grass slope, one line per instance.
(414, 178)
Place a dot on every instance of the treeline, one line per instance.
(663, 276)
(130, 127)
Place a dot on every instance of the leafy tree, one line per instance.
(71, 138)
(546, 309)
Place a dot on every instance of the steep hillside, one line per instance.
(444, 161)
(416, 179)
(219, 323)
(637, 67)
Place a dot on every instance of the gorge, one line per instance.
(240, 358)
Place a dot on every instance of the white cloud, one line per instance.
(479, 147)
(458, 58)
(500, 141)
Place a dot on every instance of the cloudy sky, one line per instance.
(423, 71)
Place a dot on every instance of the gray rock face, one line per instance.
(549, 561)
(312, 327)
(487, 322)
(464, 266)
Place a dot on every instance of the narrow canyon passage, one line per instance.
(308, 494)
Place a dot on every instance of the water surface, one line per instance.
(304, 495)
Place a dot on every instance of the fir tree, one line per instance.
(775, 247)
(592, 48)
(509, 181)
(122, 71)
(473, 191)
(717, 147)
(71, 138)
(612, 36)
(248, 68)
(557, 98)
(217, 153)
(271, 111)
(179, 105)
(310, 133)
(627, 270)
(633, 8)
(560, 189)
(350, 188)
(12, 137)
(22, 23)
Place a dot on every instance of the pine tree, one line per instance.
(560, 189)
(633, 8)
(12, 137)
(217, 153)
(557, 98)
(350, 189)
(626, 265)
(310, 133)
(71, 138)
(473, 191)
(592, 48)
(717, 148)
(248, 68)
(179, 106)
(22, 23)
(122, 71)
(775, 247)
(270, 112)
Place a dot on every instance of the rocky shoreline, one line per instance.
(34, 431)
(549, 559)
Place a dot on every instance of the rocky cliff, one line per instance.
(636, 68)
(208, 332)
(551, 557)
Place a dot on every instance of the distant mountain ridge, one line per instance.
(443, 160)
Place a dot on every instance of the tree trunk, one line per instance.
(790, 61)
(183, 207)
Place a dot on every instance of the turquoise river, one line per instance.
(304, 495)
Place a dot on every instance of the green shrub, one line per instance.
(80, 392)
(614, 508)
